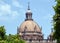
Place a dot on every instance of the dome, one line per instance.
(29, 25)
(29, 29)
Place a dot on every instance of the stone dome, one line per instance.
(29, 25)
(29, 29)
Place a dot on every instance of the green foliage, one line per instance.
(9, 38)
(14, 39)
(56, 21)
(2, 33)
(2, 41)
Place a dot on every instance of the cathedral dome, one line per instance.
(29, 25)
(29, 29)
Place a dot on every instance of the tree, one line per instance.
(56, 21)
(9, 38)
(2, 33)
(14, 39)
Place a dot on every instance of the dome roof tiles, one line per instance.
(29, 25)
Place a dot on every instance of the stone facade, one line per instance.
(31, 36)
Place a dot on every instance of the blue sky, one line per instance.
(12, 14)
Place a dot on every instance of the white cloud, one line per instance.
(3, 18)
(47, 17)
(7, 12)
(14, 13)
(5, 9)
(16, 4)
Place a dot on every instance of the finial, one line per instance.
(28, 5)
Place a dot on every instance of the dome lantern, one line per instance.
(28, 14)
